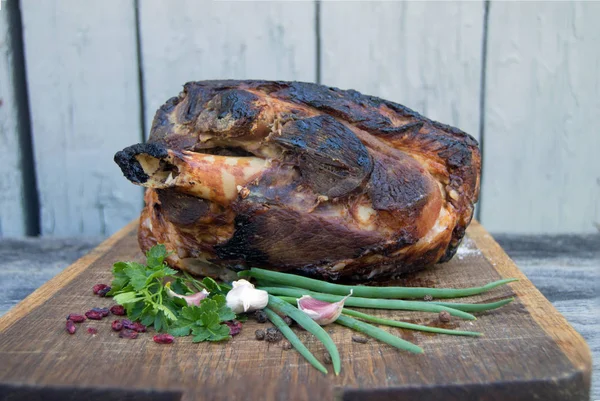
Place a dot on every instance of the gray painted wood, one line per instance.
(12, 192)
(189, 40)
(566, 269)
(541, 172)
(424, 55)
(83, 89)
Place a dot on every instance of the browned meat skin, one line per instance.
(303, 178)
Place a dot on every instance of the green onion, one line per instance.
(406, 325)
(369, 302)
(475, 307)
(379, 334)
(310, 325)
(368, 291)
(294, 340)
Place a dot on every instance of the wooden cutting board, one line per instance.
(529, 351)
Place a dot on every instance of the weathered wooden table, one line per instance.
(566, 269)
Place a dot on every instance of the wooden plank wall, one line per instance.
(12, 191)
(542, 121)
(220, 40)
(521, 77)
(82, 76)
(425, 55)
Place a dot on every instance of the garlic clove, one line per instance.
(320, 311)
(243, 297)
(241, 283)
(191, 300)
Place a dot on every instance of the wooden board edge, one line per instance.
(542, 311)
(46, 291)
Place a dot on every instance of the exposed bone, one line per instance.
(211, 177)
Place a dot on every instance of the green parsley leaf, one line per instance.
(179, 287)
(225, 313)
(156, 256)
(127, 298)
(204, 321)
(137, 276)
(218, 332)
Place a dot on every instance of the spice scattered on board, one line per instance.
(360, 339)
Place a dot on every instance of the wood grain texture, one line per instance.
(189, 40)
(424, 55)
(83, 88)
(542, 113)
(521, 356)
(12, 192)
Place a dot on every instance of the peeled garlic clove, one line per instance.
(191, 300)
(320, 311)
(243, 297)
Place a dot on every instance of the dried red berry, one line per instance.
(75, 318)
(127, 333)
(163, 339)
(117, 325)
(92, 330)
(94, 315)
(128, 324)
(104, 291)
(118, 310)
(104, 311)
(235, 327)
(140, 328)
(70, 327)
(99, 287)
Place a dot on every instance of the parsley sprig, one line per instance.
(142, 290)
(204, 322)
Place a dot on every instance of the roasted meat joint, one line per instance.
(302, 178)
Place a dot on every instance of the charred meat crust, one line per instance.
(132, 169)
(182, 209)
(332, 160)
(286, 239)
(321, 131)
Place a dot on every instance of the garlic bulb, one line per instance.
(243, 297)
(320, 311)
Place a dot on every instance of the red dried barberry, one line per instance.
(94, 315)
(140, 328)
(117, 325)
(104, 311)
(127, 324)
(75, 318)
(163, 338)
(92, 330)
(118, 310)
(104, 291)
(127, 333)
(99, 287)
(70, 327)
(235, 327)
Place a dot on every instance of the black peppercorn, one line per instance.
(273, 335)
(260, 316)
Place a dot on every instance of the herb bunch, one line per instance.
(142, 291)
